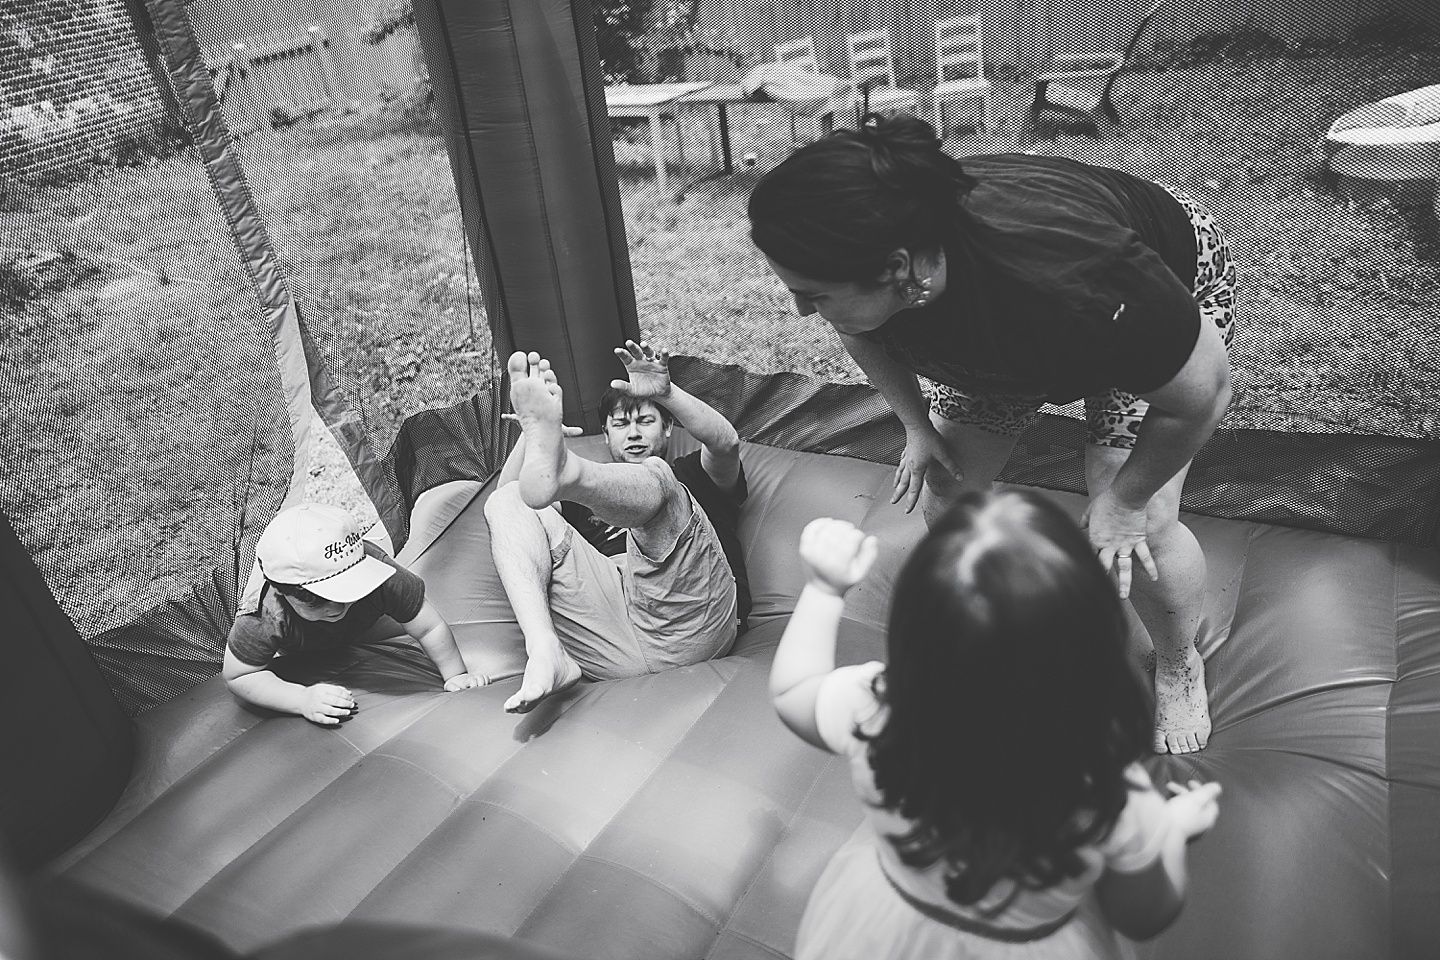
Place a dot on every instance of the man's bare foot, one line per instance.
(545, 674)
(539, 406)
(1182, 715)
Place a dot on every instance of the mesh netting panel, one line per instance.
(143, 415)
(342, 150)
(1339, 278)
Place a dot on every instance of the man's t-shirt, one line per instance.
(1067, 281)
(722, 509)
(274, 628)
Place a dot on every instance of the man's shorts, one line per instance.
(630, 615)
(1112, 418)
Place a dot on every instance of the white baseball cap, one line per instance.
(319, 547)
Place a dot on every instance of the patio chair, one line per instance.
(959, 69)
(872, 69)
(1083, 92)
(800, 54)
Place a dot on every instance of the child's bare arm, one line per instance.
(837, 555)
(1142, 905)
(434, 636)
(322, 703)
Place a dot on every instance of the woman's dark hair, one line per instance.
(1013, 705)
(835, 209)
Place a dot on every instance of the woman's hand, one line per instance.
(837, 554)
(648, 369)
(925, 450)
(1193, 806)
(1117, 532)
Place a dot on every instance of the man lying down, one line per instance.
(624, 568)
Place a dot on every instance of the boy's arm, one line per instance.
(513, 462)
(323, 703)
(433, 634)
(649, 379)
(719, 441)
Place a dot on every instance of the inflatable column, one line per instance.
(68, 746)
(519, 89)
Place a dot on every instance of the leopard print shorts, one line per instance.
(1112, 418)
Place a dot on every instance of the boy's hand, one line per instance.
(327, 703)
(462, 681)
(1194, 806)
(837, 554)
(649, 371)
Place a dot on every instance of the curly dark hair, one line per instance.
(835, 209)
(1013, 705)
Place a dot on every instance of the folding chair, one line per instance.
(959, 69)
(1084, 91)
(800, 54)
(872, 69)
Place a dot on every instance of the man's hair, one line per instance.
(613, 400)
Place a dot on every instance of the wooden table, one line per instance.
(653, 100)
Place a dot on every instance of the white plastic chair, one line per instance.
(800, 54)
(959, 69)
(872, 69)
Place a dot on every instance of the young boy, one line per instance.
(324, 586)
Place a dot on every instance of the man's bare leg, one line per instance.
(630, 495)
(1170, 609)
(521, 546)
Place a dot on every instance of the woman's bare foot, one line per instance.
(545, 674)
(1182, 715)
(539, 406)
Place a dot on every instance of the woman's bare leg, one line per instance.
(1170, 607)
(981, 456)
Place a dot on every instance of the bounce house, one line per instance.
(668, 816)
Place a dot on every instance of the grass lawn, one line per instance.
(130, 393)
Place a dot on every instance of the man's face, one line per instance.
(634, 436)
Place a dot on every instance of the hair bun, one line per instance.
(899, 131)
(905, 152)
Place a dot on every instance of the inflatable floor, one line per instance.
(672, 816)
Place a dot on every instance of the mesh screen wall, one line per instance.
(145, 442)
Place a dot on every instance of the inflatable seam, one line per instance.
(624, 804)
(764, 864)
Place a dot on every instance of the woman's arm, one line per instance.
(924, 446)
(1183, 414)
(896, 383)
